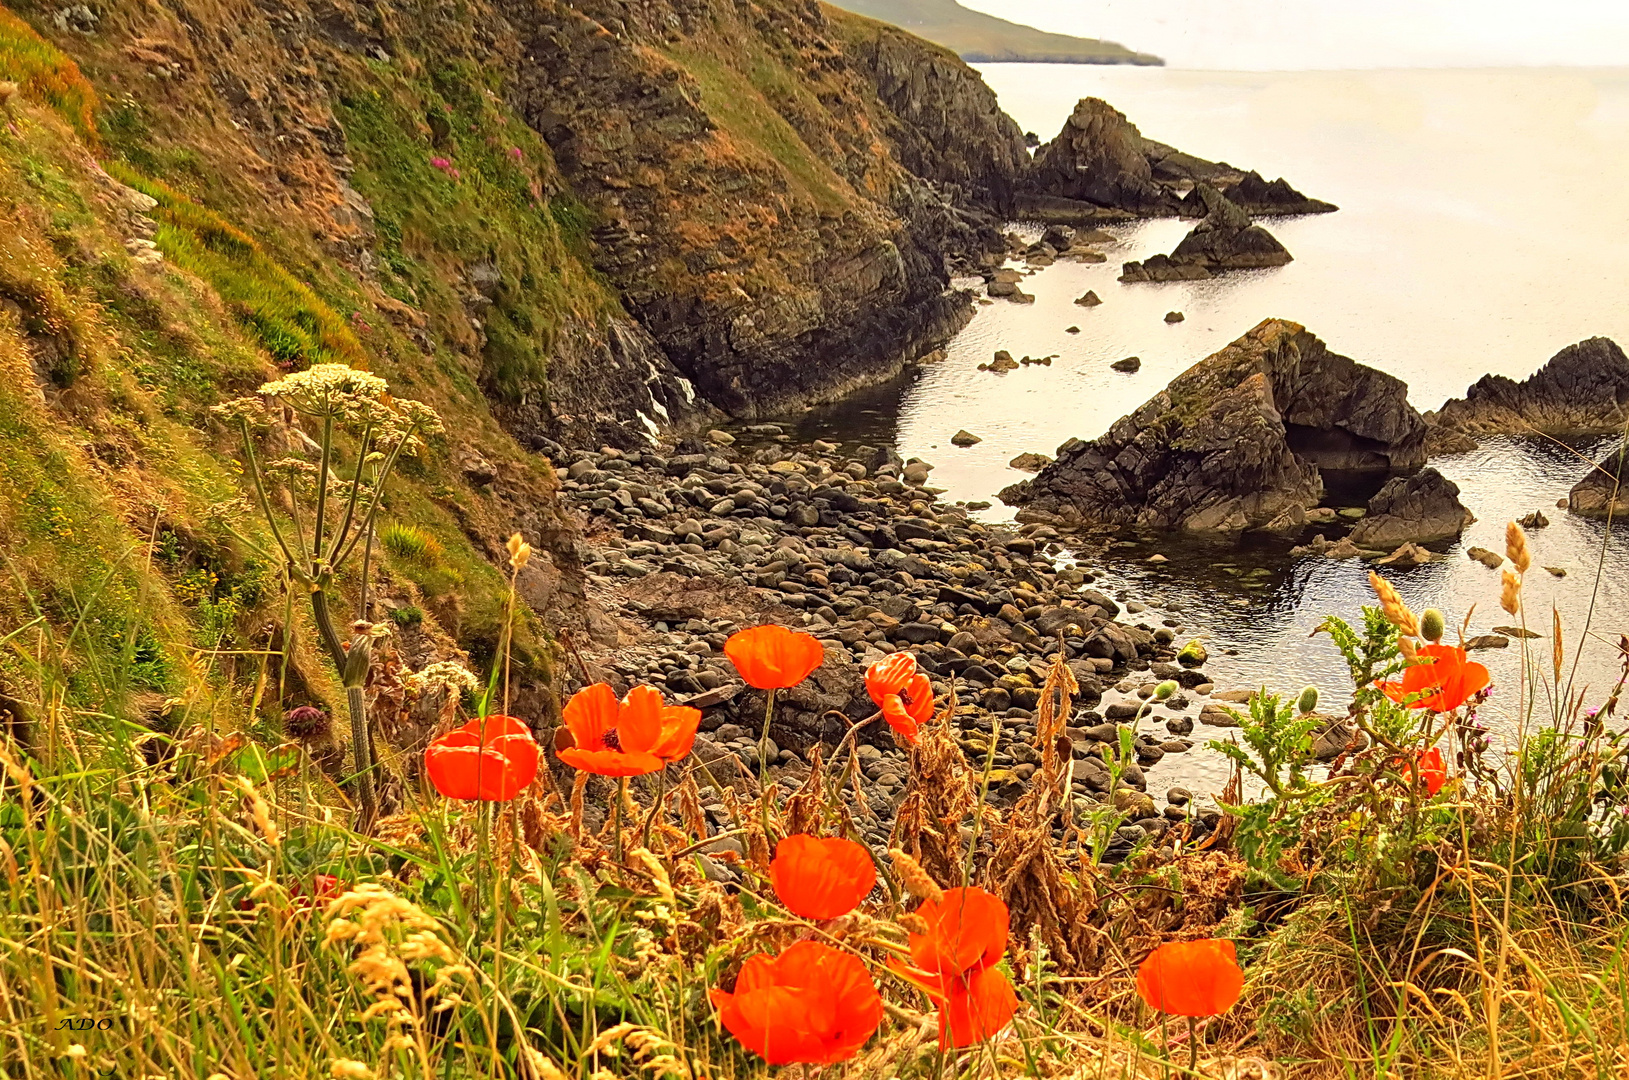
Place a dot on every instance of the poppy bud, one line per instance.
(1165, 689)
(1432, 624)
(1308, 701)
(307, 724)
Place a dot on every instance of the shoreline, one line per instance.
(682, 549)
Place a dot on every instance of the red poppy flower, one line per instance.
(976, 1008)
(492, 760)
(1440, 680)
(811, 1004)
(772, 657)
(821, 879)
(903, 693)
(1433, 773)
(967, 932)
(1191, 978)
(626, 738)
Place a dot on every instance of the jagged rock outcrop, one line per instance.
(1257, 196)
(1422, 509)
(1603, 491)
(1227, 239)
(1582, 390)
(1238, 441)
(937, 115)
(1095, 169)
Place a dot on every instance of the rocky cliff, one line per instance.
(1238, 441)
(1601, 493)
(1582, 390)
(1095, 170)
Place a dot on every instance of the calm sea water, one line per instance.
(1483, 226)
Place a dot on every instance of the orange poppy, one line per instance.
(811, 1004)
(967, 932)
(1441, 679)
(626, 738)
(1433, 773)
(821, 879)
(903, 693)
(492, 760)
(1191, 978)
(976, 1008)
(772, 657)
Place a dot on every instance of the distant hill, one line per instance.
(980, 38)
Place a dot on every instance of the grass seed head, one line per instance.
(1510, 595)
(916, 880)
(1397, 612)
(1516, 547)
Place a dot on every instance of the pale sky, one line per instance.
(1260, 35)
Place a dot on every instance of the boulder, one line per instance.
(1174, 316)
(1058, 237)
(1029, 462)
(1602, 493)
(1235, 441)
(1226, 239)
(1129, 365)
(965, 438)
(1407, 556)
(1162, 268)
(1098, 159)
(1421, 509)
(1003, 361)
(1089, 300)
(1583, 390)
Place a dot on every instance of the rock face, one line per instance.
(1421, 509)
(1226, 239)
(1257, 196)
(1583, 390)
(1238, 441)
(1602, 492)
(1095, 167)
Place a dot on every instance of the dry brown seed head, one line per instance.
(913, 877)
(1516, 547)
(1510, 595)
(1397, 612)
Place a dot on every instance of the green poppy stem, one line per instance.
(1165, 1044)
(622, 796)
(1193, 1048)
(763, 742)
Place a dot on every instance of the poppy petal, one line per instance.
(610, 762)
(590, 713)
(639, 724)
(977, 1009)
(679, 724)
(821, 878)
(771, 657)
(1191, 978)
(967, 931)
(889, 676)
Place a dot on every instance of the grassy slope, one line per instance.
(977, 37)
(113, 481)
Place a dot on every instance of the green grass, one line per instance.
(502, 209)
(744, 102)
(46, 75)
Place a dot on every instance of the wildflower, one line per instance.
(821, 878)
(967, 932)
(628, 738)
(1441, 679)
(520, 552)
(1433, 774)
(811, 1004)
(772, 657)
(514, 152)
(976, 1008)
(957, 941)
(307, 724)
(1191, 978)
(903, 693)
(492, 760)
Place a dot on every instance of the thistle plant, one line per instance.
(337, 399)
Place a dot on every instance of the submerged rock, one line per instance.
(1602, 493)
(1236, 440)
(965, 438)
(1129, 365)
(1089, 300)
(1422, 509)
(1162, 268)
(1582, 390)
